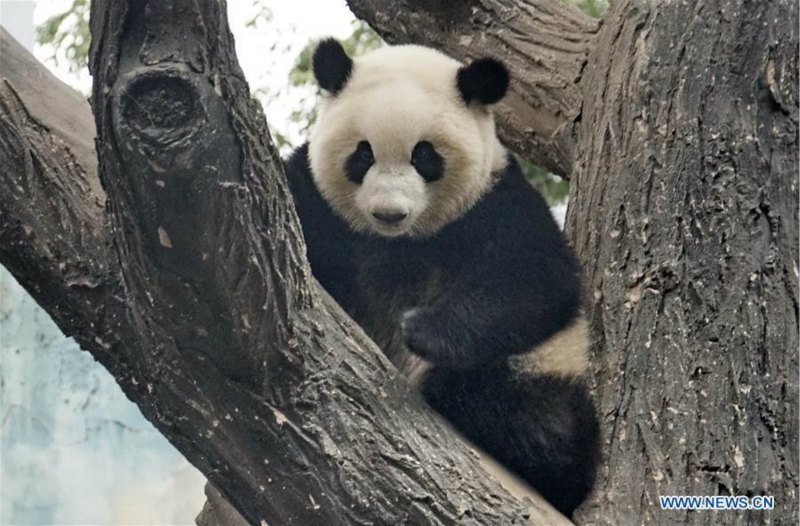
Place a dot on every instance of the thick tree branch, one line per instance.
(545, 44)
(53, 231)
(219, 334)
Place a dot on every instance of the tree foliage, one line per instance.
(361, 40)
(593, 8)
(68, 33)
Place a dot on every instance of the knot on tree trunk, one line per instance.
(161, 105)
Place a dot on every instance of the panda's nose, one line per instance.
(389, 218)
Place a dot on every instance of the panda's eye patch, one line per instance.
(427, 161)
(359, 162)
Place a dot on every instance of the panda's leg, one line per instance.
(542, 427)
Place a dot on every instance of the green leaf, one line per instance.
(554, 189)
(68, 33)
(592, 8)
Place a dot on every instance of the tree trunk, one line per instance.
(683, 211)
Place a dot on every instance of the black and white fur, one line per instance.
(424, 229)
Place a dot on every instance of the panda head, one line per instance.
(404, 142)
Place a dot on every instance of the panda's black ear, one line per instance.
(332, 66)
(485, 80)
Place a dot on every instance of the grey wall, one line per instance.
(73, 449)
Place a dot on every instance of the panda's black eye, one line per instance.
(427, 161)
(364, 152)
(359, 162)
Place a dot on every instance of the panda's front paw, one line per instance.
(421, 330)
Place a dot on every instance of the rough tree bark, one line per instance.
(684, 212)
(216, 328)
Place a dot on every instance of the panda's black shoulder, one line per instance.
(516, 211)
(517, 231)
(298, 173)
(518, 198)
(329, 241)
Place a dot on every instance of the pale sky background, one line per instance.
(294, 24)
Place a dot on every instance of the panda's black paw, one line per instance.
(422, 334)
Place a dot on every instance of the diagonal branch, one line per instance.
(545, 43)
(53, 229)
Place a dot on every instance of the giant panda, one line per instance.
(423, 228)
